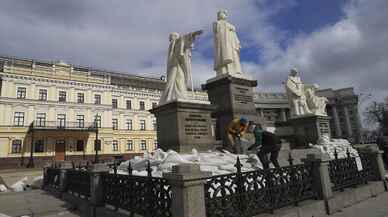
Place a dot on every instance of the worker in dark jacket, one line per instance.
(266, 143)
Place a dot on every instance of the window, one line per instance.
(40, 119)
(16, 146)
(80, 145)
(156, 144)
(154, 126)
(21, 93)
(143, 145)
(129, 104)
(39, 146)
(114, 103)
(97, 99)
(80, 121)
(18, 119)
(154, 105)
(115, 145)
(141, 105)
(61, 120)
(142, 125)
(42, 94)
(129, 124)
(129, 145)
(62, 96)
(80, 98)
(97, 121)
(115, 124)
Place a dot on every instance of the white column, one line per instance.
(347, 122)
(337, 124)
(283, 114)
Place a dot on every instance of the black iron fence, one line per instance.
(78, 183)
(52, 177)
(143, 195)
(259, 191)
(345, 172)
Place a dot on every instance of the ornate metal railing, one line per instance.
(78, 183)
(369, 165)
(143, 195)
(255, 192)
(44, 125)
(51, 178)
(344, 172)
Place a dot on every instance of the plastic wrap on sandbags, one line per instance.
(20, 185)
(3, 188)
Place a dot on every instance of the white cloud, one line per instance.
(351, 52)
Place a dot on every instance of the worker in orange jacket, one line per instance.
(236, 128)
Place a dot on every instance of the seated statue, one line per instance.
(296, 95)
(316, 104)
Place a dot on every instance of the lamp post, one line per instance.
(97, 145)
(30, 163)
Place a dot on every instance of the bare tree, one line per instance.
(374, 114)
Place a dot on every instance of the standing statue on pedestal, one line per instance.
(226, 46)
(178, 66)
(302, 98)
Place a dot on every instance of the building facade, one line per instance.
(59, 111)
(342, 107)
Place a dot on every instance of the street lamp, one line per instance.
(30, 163)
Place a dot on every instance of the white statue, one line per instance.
(302, 98)
(296, 95)
(178, 66)
(317, 104)
(226, 46)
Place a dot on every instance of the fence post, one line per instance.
(378, 162)
(188, 195)
(64, 166)
(96, 188)
(321, 179)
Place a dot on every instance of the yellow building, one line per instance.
(55, 107)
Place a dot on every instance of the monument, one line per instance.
(230, 90)
(308, 111)
(183, 123)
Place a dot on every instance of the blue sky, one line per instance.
(334, 43)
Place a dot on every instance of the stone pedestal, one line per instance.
(308, 129)
(233, 98)
(182, 126)
(187, 184)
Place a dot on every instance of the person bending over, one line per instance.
(236, 128)
(266, 143)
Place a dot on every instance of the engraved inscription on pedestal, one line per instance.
(196, 126)
(242, 95)
(324, 128)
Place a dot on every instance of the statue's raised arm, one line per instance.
(178, 66)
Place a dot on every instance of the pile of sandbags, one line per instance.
(212, 161)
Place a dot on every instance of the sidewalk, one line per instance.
(10, 176)
(374, 207)
(35, 203)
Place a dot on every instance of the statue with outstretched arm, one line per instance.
(179, 74)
